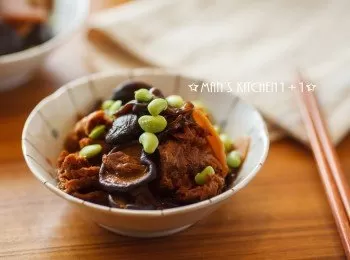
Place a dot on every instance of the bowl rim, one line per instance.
(188, 208)
(84, 9)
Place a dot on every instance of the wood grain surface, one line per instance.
(282, 214)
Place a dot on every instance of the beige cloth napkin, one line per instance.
(244, 42)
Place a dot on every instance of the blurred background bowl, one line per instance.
(51, 120)
(67, 17)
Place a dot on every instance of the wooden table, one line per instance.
(282, 214)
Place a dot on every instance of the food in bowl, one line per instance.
(142, 150)
(23, 24)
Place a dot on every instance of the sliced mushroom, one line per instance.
(126, 168)
(140, 198)
(230, 178)
(143, 197)
(156, 92)
(140, 108)
(117, 201)
(125, 91)
(132, 107)
(126, 109)
(124, 129)
(168, 203)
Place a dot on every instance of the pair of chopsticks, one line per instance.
(332, 176)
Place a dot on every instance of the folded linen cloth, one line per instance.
(256, 45)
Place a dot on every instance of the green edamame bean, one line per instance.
(152, 124)
(149, 142)
(107, 104)
(90, 151)
(97, 132)
(114, 107)
(201, 178)
(208, 170)
(233, 159)
(227, 142)
(156, 106)
(175, 101)
(143, 95)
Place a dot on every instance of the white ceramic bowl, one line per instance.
(67, 17)
(50, 121)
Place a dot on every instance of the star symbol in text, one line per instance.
(310, 87)
(193, 87)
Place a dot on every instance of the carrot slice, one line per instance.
(214, 140)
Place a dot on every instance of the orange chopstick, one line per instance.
(330, 153)
(333, 179)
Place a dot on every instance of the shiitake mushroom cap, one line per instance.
(126, 90)
(110, 181)
(156, 92)
(124, 129)
(121, 203)
(117, 201)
